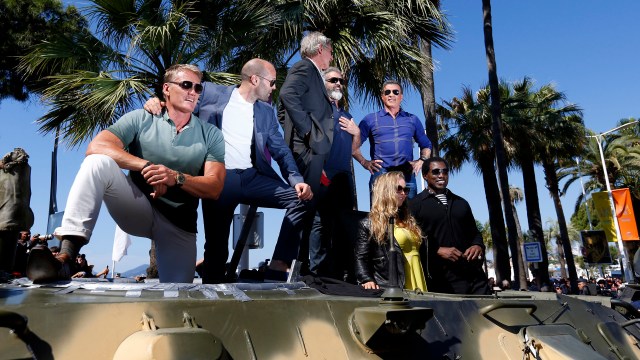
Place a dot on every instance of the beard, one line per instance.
(336, 95)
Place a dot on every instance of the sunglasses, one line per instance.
(187, 85)
(444, 171)
(271, 82)
(335, 80)
(402, 189)
(394, 91)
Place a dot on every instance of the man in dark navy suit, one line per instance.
(249, 126)
(306, 116)
(305, 108)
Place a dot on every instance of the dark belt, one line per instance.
(406, 169)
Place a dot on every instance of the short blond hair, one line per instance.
(172, 72)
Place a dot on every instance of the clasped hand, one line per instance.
(453, 254)
(160, 177)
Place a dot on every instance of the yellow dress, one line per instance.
(413, 272)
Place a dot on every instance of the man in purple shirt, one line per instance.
(391, 132)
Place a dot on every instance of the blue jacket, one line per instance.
(214, 99)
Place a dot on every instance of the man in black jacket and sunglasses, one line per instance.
(454, 243)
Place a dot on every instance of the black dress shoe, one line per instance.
(275, 275)
(43, 267)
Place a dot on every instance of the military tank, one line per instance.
(122, 319)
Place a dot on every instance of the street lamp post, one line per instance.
(622, 252)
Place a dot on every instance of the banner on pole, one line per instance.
(595, 248)
(625, 214)
(603, 211)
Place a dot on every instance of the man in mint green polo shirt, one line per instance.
(159, 198)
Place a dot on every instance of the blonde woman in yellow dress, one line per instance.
(389, 199)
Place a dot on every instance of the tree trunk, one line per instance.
(497, 137)
(553, 186)
(152, 270)
(534, 218)
(427, 92)
(561, 260)
(523, 273)
(496, 219)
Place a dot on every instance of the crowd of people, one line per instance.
(203, 141)
(80, 268)
(604, 286)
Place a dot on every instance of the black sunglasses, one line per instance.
(334, 80)
(187, 85)
(402, 189)
(394, 91)
(444, 171)
(271, 82)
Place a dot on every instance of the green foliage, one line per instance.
(23, 24)
(580, 221)
(373, 40)
(101, 75)
(108, 72)
(485, 231)
(613, 250)
(621, 150)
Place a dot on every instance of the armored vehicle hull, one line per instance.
(120, 320)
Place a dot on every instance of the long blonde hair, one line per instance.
(384, 205)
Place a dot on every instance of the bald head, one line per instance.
(258, 80)
(256, 67)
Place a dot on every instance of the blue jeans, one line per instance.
(250, 187)
(411, 184)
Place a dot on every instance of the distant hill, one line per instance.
(139, 270)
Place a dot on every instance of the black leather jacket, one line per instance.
(372, 258)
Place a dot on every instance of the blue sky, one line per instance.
(588, 49)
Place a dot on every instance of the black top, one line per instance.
(451, 225)
(372, 258)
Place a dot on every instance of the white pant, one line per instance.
(100, 178)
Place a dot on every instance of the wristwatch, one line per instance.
(423, 158)
(180, 179)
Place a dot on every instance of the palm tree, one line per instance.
(517, 196)
(523, 137)
(622, 159)
(466, 137)
(39, 20)
(553, 229)
(498, 142)
(100, 78)
(534, 122)
(554, 153)
(374, 41)
(427, 93)
(485, 232)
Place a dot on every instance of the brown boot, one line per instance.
(43, 267)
